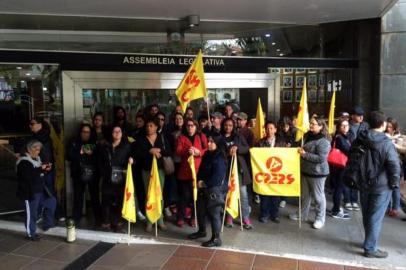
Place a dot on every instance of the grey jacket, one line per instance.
(314, 162)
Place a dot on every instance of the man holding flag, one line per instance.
(193, 85)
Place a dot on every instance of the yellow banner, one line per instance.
(154, 195)
(191, 161)
(233, 195)
(276, 171)
(128, 210)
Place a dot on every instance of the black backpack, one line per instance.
(362, 169)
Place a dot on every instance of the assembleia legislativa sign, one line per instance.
(161, 60)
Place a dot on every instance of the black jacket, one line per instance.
(77, 160)
(109, 157)
(243, 149)
(30, 180)
(343, 142)
(213, 169)
(385, 156)
(142, 155)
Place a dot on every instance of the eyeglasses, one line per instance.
(190, 125)
(161, 119)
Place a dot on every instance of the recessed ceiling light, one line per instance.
(273, 43)
(281, 54)
(278, 50)
(22, 81)
(44, 88)
(27, 74)
(19, 67)
(33, 78)
(267, 35)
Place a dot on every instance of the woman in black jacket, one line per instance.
(147, 146)
(342, 141)
(32, 189)
(114, 158)
(211, 178)
(238, 146)
(83, 170)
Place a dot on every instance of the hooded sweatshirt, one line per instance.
(385, 156)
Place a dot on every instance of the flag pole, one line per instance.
(156, 229)
(208, 108)
(129, 233)
(239, 204)
(224, 214)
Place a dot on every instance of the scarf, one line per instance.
(36, 163)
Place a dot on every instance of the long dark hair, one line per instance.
(79, 135)
(223, 123)
(184, 129)
(220, 143)
(321, 122)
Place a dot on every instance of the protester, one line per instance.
(357, 121)
(269, 205)
(314, 171)
(287, 131)
(120, 119)
(99, 131)
(342, 141)
(238, 147)
(216, 119)
(243, 129)
(33, 191)
(376, 193)
(152, 144)
(139, 129)
(83, 170)
(189, 113)
(190, 143)
(211, 178)
(152, 110)
(229, 111)
(204, 124)
(113, 160)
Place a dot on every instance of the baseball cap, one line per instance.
(242, 115)
(216, 115)
(358, 111)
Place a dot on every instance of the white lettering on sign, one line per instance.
(183, 61)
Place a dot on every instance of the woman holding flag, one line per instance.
(148, 146)
(211, 178)
(269, 205)
(190, 143)
(237, 146)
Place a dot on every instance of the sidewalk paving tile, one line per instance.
(228, 266)
(309, 265)
(66, 252)
(43, 264)
(11, 261)
(182, 263)
(274, 263)
(233, 257)
(37, 249)
(194, 252)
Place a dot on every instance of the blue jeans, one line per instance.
(269, 206)
(394, 203)
(350, 195)
(373, 211)
(245, 205)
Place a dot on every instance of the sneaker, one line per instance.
(257, 199)
(229, 222)
(348, 206)
(167, 212)
(376, 254)
(340, 215)
(355, 206)
(247, 224)
(282, 204)
(34, 238)
(318, 224)
(140, 216)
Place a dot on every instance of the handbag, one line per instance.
(336, 158)
(87, 172)
(169, 165)
(215, 197)
(118, 175)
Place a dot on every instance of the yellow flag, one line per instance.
(331, 113)
(303, 121)
(233, 195)
(193, 85)
(259, 129)
(128, 211)
(59, 154)
(191, 161)
(276, 171)
(154, 195)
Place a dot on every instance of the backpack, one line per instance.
(362, 170)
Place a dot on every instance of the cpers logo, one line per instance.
(274, 176)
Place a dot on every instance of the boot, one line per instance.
(215, 241)
(196, 235)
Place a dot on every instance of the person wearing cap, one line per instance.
(216, 119)
(344, 116)
(242, 128)
(357, 121)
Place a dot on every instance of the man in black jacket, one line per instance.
(375, 196)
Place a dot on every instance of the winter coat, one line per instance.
(242, 151)
(314, 161)
(385, 156)
(183, 144)
(143, 156)
(343, 142)
(279, 142)
(213, 169)
(77, 160)
(30, 180)
(355, 129)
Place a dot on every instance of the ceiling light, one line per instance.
(278, 50)
(268, 35)
(193, 20)
(281, 54)
(33, 78)
(27, 74)
(19, 67)
(44, 88)
(273, 43)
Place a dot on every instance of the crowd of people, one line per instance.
(100, 153)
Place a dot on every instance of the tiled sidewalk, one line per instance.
(54, 253)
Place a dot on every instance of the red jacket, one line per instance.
(182, 146)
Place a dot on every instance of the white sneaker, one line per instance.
(348, 206)
(318, 224)
(168, 212)
(341, 215)
(282, 204)
(140, 216)
(355, 206)
(294, 216)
